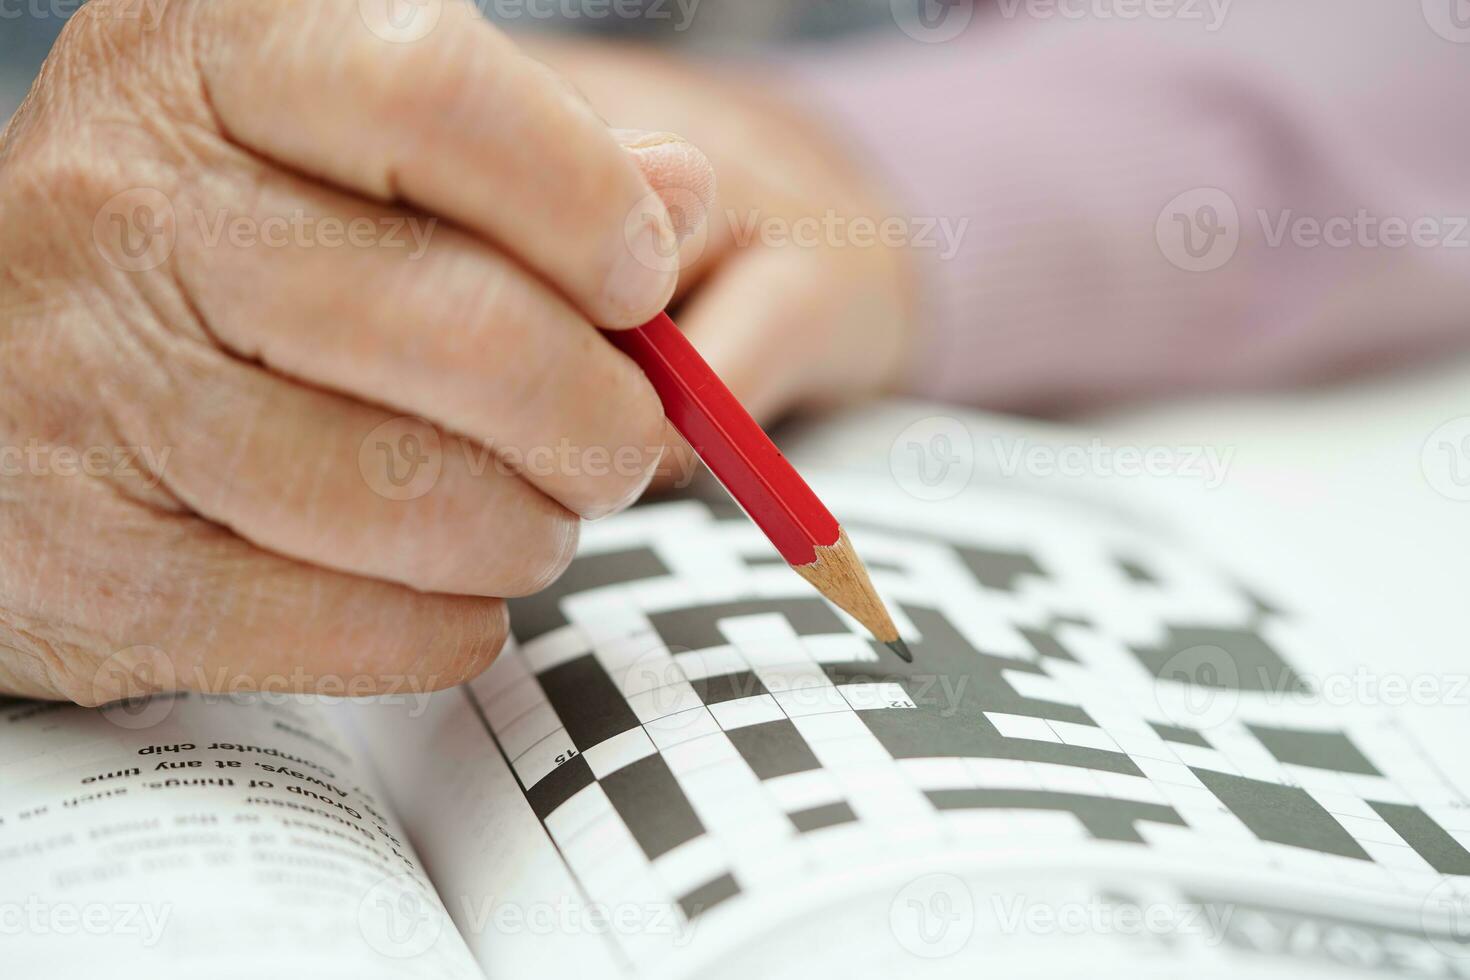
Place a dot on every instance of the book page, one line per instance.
(693, 765)
(205, 837)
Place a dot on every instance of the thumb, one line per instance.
(680, 174)
(684, 179)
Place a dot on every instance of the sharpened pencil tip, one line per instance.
(902, 649)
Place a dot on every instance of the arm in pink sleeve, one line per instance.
(1127, 207)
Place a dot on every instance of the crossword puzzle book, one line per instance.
(1110, 757)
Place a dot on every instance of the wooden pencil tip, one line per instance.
(839, 574)
(902, 649)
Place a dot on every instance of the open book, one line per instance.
(1110, 754)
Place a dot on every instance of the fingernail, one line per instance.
(646, 270)
(643, 140)
(678, 171)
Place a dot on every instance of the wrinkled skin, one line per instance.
(301, 374)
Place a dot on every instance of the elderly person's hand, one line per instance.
(300, 362)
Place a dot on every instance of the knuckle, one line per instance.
(89, 21)
(71, 180)
(128, 35)
(87, 197)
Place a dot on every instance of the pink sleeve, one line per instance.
(1110, 208)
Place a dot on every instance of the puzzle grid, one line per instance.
(691, 724)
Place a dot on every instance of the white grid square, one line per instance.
(660, 702)
(555, 648)
(871, 697)
(840, 648)
(614, 753)
(792, 676)
(670, 730)
(1022, 726)
(811, 701)
(713, 662)
(531, 727)
(744, 712)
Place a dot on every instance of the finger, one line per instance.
(683, 178)
(428, 321)
(766, 322)
(443, 111)
(186, 605)
(838, 319)
(323, 479)
(757, 303)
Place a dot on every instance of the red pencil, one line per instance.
(756, 473)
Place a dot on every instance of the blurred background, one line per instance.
(28, 27)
